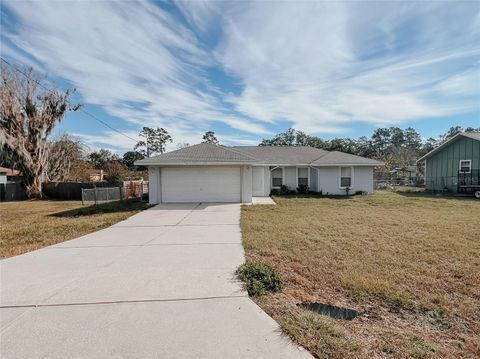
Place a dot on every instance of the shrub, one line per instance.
(284, 189)
(302, 189)
(361, 193)
(274, 192)
(259, 278)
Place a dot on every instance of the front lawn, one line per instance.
(29, 225)
(409, 262)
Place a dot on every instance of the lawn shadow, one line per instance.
(134, 204)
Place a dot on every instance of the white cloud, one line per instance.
(326, 65)
(320, 66)
(133, 58)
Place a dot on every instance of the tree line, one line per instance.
(29, 113)
(397, 147)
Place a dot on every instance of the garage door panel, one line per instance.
(202, 184)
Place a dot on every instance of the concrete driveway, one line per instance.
(158, 285)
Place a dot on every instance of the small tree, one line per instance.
(27, 117)
(115, 172)
(209, 137)
(155, 140)
(99, 158)
(130, 157)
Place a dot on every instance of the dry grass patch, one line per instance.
(29, 225)
(409, 262)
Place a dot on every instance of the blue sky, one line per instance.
(248, 70)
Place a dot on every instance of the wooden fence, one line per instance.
(13, 191)
(68, 190)
(73, 190)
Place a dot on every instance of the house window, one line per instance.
(345, 177)
(465, 166)
(277, 177)
(303, 176)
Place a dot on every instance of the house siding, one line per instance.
(154, 184)
(290, 177)
(363, 179)
(329, 180)
(246, 184)
(313, 179)
(260, 181)
(441, 169)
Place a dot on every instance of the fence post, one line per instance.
(120, 190)
(95, 195)
(83, 198)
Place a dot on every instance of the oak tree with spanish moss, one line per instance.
(29, 113)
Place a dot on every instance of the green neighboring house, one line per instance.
(454, 165)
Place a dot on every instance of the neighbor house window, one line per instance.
(303, 176)
(345, 177)
(465, 166)
(277, 177)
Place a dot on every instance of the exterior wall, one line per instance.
(313, 179)
(260, 181)
(441, 169)
(154, 184)
(246, 184)
(257, 181)
(267, 181)
(362, 179)
(329, 180)
(290, 177)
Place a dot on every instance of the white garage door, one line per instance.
(200, 184)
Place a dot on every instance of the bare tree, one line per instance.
(28, 116)
(63, 153)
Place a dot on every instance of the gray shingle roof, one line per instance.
(282, 155)
(205, 153)
(336, 158)
(474, 135)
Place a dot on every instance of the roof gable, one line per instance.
(472, 135)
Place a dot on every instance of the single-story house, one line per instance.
(9, 175)
(454, 165)
(213, 173)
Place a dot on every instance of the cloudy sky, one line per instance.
(247, 70)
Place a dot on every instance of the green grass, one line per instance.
(33, 224)
(259, 278)
(408, 261)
